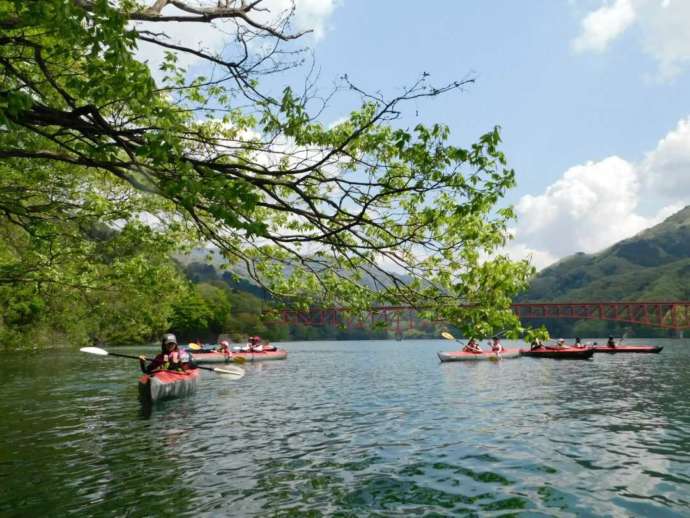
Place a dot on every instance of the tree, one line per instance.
(309, 209)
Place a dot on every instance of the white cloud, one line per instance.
(666, 35)
(663, 33)
(596, 204)
(602, 26)
(309, 14)
(212, 37)
(666, 170)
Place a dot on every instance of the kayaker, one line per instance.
(496, 345)
(255, 344)
(472, 347)
(560, 344)
(578, 342)
(611, 342)
(224, 347)
(536, 344)
(168, 359)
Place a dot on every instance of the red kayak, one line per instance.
(565, 353)
(167, 384)
(627, 349)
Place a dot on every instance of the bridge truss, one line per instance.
(666, 315)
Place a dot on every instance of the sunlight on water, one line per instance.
(352, 428)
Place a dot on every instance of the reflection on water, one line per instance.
(354, 428)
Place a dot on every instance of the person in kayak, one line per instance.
(254, 344)
(224, 347)
(578, 342)
(536, 344)
(472, 347)
(611, 342)
(168, 359)
(496, 345)
(560, 344)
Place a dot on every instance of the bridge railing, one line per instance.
(666, 315)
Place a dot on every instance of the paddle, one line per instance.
(229, 371)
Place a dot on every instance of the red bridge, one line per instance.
(667, 315)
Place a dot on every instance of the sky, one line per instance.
(593, 98)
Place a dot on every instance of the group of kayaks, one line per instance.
(565, 353)
(168, 384)
(213, 356)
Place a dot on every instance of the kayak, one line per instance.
(167, 384)
(565, 353)
(218, 357)
(461, 356)
(628, 349)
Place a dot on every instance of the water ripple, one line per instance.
(352, 429)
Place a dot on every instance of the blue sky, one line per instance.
(571, 83)
(593, 97)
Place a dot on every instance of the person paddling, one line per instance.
(254, 344)
(578, 342)
(472, 347)
(496, 345)
(224, 347)
(611, 342)
(168, 359)
(536, 344)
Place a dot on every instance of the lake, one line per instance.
(351, 429)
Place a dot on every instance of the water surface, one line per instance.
(351, 429)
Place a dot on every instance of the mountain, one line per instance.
(371, 278)
(654, 265)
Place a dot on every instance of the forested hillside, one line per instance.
(654, 265)
(246, 309)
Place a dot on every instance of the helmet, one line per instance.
(561, 340)
(255, 339)
(224, 342)
(169, 338)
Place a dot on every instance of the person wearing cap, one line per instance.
(168, 359)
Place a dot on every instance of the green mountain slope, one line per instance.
(654, 265)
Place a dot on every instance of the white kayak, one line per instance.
(257, 356)
(462, 356)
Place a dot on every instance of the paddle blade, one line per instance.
(239, 359)
(195, 347)
(94, 350)
(447, 335)
(230, 372)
